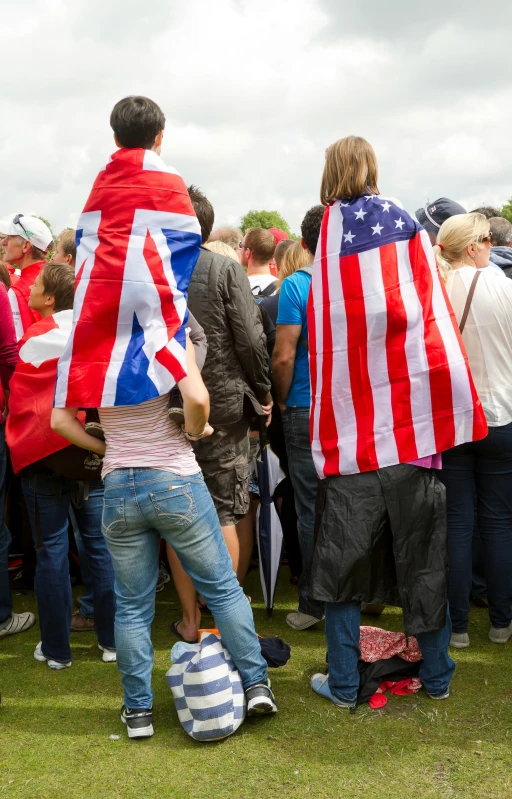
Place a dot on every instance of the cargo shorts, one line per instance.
(224, 461)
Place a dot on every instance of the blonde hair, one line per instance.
(222, 248)
(350, 170)
(454, 237)
(295, 257)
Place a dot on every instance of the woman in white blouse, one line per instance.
(478, 475)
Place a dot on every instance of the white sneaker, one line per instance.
(109, 655)
(459, 640)
(301, 621)
(53, 664)
(500, 635)
(18, 623)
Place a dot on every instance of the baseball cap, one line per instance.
(30, 228)
(278, 234)
(432, 216)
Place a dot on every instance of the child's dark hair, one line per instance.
(136, 122)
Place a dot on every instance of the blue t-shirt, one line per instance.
(293, 301)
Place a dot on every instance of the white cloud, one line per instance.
(254, 92)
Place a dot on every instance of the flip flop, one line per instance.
(174, 629)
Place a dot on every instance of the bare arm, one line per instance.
(283, 360)
(196, 400)
(64, 422)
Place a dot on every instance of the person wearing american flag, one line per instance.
(138, 241)
(391, 390)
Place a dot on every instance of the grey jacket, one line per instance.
(236, 366)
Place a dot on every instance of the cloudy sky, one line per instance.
(253, 92)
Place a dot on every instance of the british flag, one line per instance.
(138, 241)
(390, 379)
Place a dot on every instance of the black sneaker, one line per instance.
(260, 699)
(139, 723)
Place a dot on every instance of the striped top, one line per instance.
(143, 436)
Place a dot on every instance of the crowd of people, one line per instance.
(141, 355)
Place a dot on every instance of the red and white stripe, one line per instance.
(390, 379)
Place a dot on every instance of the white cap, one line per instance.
(30, 228)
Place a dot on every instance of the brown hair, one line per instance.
(350, 170)
(5, 276)
(280, 250)
(204, 211)
(294, 258)
(67, 241)
(455, 235)
(229, 235)
(59, 281)
(262, 244)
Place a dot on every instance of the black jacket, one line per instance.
(236, 366)
(502, 256)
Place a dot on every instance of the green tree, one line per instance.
(506, 211)
(264, 219)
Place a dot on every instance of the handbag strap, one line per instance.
(462, 323)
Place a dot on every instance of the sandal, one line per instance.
(174, 629)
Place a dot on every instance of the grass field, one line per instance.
(55, 727)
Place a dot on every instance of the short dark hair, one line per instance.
(5, 277)
(136, 122)
(487, 211)
(204, 211)
(501, 231)
(262, 244)
(59, 281)
(310, 227)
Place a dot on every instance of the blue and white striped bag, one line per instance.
(207, 688)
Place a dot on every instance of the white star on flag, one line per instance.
(399, 223)
(361, 214)
(344, 205)
(377, 229)
(386, 206)
(349, 236)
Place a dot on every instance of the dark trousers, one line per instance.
(484, 467)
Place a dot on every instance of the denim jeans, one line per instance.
(87, 599)
(342, 625)
(484, 466)
(305, 485)
(140, 506)
(52, 583)
(5, 540)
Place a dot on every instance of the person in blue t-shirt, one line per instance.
(290, 373)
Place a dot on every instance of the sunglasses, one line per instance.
(487, 238)
(242, 246)
(17, 221)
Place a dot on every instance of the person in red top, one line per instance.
(26, 243)
(10, 622)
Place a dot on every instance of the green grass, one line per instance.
(55, 727)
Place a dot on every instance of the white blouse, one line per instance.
(487, 336)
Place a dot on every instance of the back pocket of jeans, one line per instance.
(113, 521)
(175, 507)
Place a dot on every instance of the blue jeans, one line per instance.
(342, 625)
(484, 466)
(305, 485)
(140, 506)
(52, 584)
(87, 600)
(5, 540)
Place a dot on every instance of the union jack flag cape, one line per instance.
(138, 242)
(32, 386)
(390, 380)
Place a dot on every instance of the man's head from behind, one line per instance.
(310, 228)
(229, 235)
(53, 289)
(257, 248)
(204, 211)
(65, 251)
(501, 231)
(487, 211)
(432, 216)
(138, 122)
(26, 240)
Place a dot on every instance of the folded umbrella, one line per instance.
(269, 533)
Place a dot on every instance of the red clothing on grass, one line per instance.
(8, 345)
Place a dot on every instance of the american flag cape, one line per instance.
(32, 387)
(390, 380)
(138, 242)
